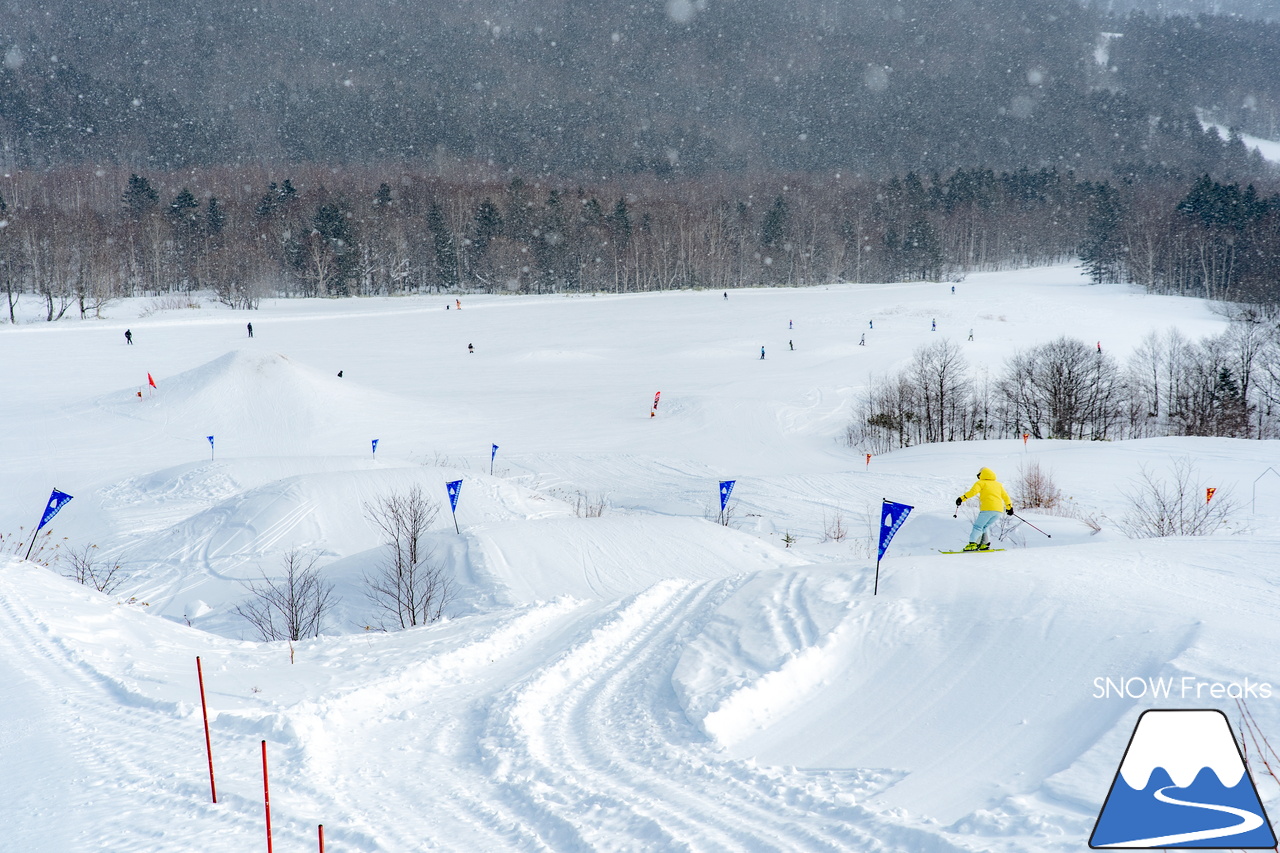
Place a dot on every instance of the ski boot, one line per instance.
(972, 546)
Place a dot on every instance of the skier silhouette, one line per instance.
(470, 348)
(863, 342)
(250, 325)
(762, 353)
(934, 326)
(128, 337)
(793, 344)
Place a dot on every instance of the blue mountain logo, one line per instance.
(1182, 783)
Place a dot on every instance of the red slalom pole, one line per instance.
(266, 794)
(208, 744)
(322, 838)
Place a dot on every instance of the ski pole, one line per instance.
(1032, 526)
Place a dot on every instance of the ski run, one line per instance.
(647, 679)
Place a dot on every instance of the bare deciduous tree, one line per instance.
(1175, 505)
(84, 567)
(409, 587)
(291, 607)
(1035, 487)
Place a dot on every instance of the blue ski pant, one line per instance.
(985, 519)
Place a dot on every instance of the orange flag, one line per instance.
(152, 382)
(1208, 494)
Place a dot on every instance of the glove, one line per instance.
(959, 501)
(1009, 511)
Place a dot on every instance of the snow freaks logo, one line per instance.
(1186, 687)
(1182, 783)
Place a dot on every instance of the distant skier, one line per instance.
(871, 324)
(128, 337)
(991, 499)
(726, 294)
(339, 374)
(1099, 347)
(934, 326)
(762, 353)
(458, 302)
(470, 349)
(789, 326)
(250, 325)
(953, 290)
(793, 345)
(971, 334)
(863, 342)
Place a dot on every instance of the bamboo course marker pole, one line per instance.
(266, 794)
(208, 744)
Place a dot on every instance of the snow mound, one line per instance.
(208, 551)
(263, 404)
(961, 663)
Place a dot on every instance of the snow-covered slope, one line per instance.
(643, 680)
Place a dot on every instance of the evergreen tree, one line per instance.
(334, 253)
(773, 231)
(140, 197)
(921, 254)
(620, 225)
(446, 250)
(487, 225)
(214, 219)
(1102, 251)
(183, 213)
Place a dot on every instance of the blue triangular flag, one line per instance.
(891, 517)
(57, 500)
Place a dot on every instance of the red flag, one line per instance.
(152, 382)
(654, 410)
(1208, 494)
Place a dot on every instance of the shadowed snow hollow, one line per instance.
(607, 558)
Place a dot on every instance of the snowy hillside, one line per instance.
(643, 680)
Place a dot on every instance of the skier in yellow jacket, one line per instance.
(991, 499)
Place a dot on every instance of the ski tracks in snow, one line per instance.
(106, 753)
(594, 752)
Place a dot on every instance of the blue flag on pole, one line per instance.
(210, 440)
(891, 517)
(375, 447)
(493, 453)
(57, 500)
(454, 487)
(726, 489)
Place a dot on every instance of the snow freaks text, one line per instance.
(1186, 687)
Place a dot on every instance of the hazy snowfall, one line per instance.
(643, 680)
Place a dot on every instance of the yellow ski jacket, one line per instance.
(991, 494)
